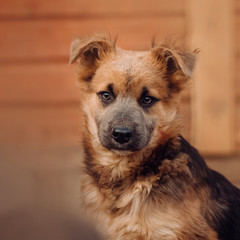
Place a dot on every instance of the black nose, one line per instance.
(122, 134)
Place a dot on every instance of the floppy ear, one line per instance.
(176, 60)
(90, 50)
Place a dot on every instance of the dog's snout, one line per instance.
(122, 134)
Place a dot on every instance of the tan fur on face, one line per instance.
(125, 194)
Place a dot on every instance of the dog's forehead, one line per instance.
(128, 68)
(129, 61)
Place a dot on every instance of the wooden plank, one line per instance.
(72, 7)
(51, 38)
(237, 78)
(237, 34)
(237, 6)
(211, 30)
(34, 126)
(237, 104)
(229, 167)
(52, 82)
(237, 127)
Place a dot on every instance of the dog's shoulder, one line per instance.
(221, 193)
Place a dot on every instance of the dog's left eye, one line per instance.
(148, 100)
(105, 96)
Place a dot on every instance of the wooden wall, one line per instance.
(236, 28)
(39, 99)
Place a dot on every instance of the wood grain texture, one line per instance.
(237, 52)
(237, 128)
(50, 39)
(211, 30)
(237, 6)
(237, 75)
(33, 8)
(35, 83)
(236, 27)
(237, 105)
(35, 126)
(237, 79)
(229, 167)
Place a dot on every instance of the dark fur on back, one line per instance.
(221, 191)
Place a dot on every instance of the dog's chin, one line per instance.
(121, 150)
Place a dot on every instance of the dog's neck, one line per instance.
(107, 167)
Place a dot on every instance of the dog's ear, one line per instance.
(89, 51)
(176, 60)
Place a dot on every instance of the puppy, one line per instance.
(141, 179)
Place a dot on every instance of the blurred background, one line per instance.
(40, 119)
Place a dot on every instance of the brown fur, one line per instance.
(147, 193)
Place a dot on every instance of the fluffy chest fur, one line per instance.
(140, 202)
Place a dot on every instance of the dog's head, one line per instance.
(130, 98)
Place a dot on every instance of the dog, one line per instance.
(141, 179)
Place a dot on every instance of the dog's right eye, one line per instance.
(105, 96)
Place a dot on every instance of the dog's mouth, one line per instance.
(113, 146)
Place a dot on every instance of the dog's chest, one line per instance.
(132, 214)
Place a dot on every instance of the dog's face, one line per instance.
(130, 98)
